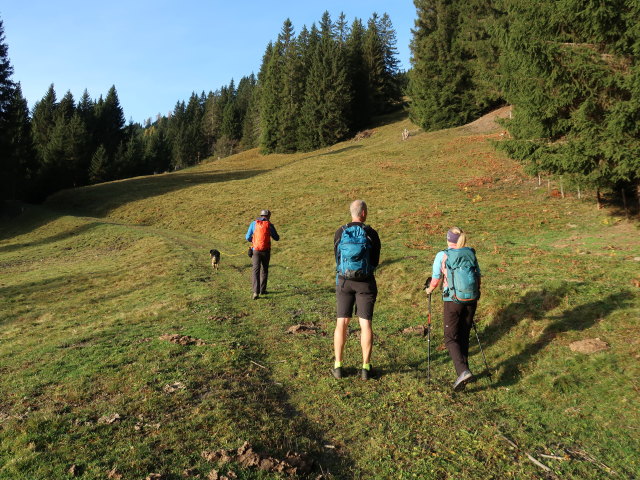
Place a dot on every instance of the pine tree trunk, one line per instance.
(598, 199)
(561, 189)
(539, 180)
(624, 202)
(579, 193)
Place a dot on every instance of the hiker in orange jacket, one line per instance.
(260, 233)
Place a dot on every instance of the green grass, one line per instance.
(93, 278)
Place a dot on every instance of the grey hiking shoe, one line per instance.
(366, 374)
(464, 378)
(256, 296)
(337, 372)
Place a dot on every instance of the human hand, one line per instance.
(428, 290)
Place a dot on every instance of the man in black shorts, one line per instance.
(357, 252)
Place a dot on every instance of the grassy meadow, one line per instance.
(91, 280)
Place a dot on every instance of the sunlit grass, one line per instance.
(93, 279)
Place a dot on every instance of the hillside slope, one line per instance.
(95, 282)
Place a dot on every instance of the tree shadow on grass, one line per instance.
(262, 413)
(99, 200)
(340, 150)
(80, 229)
(534, 305)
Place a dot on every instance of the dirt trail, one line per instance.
(487, 123)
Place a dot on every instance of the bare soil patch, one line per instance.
(487, 123)
(588, 346)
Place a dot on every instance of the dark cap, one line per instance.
(452, 236)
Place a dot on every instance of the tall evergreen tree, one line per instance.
(270, 101)
(440, 85)
(6, 71)
(291, 89)
(360, 108)
(43, 121)
(110, 122)
(18, 162)
(324, 118)
(584, 54)
(374, 57)
(98, 171)
(8, 167)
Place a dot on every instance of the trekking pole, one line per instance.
(427, 283)
(481, 351)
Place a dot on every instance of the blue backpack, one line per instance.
(353, 254)
(462, 275)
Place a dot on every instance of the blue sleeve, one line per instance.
(436, 271)
(274, 234)
(249, 235)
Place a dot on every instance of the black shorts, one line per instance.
(361, 294)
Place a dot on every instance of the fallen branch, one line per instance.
(532, 459)
(552, 457)
(582, 455)
(256, 363)
(537, 463)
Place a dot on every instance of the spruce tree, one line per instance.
(569, 69)
(291, 89)
(8, 166)
(110, 122)
(324, 118)
(6, 71)
(374, 57)
(270, 100)
(360, 108)
(43, 121)
(99, 168)
(18, 162)
(440, 84)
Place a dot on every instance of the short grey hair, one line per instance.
(357, 208)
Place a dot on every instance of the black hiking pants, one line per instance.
(458, 321)
(260, 270)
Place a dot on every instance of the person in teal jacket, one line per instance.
(458, 317)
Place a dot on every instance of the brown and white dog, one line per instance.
(215, 258)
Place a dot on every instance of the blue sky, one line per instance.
(158, 52)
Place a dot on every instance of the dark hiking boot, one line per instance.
(256, 296)
(337, 372)
(366, 374)
(464, 378)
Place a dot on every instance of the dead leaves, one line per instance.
(362, 135)
(420, 330)
(173, 387)
(182, 339)
(302, 329)
(293, 464)
(109, 419)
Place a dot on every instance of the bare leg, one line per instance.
(366, 339)
(340, 337)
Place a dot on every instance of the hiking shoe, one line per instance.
(256, 296)
(366, 374)
(464, 378)
(337, 372)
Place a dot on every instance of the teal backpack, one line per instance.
(353, 254)
(462, 275)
